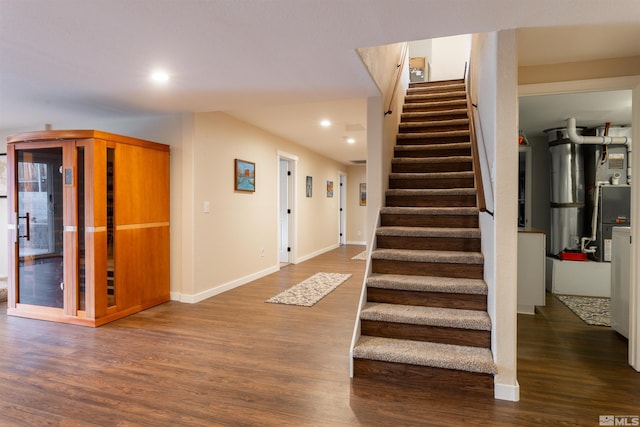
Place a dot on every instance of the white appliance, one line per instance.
(620, 270)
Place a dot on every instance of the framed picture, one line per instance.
(3, 175)
(309, 186)
(363, 194)
(329, 188)
(245, 176)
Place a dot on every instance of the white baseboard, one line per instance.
(507, 392)
(316, 253)
(194, 298)
(362, 243)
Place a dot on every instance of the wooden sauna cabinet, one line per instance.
(88, 225)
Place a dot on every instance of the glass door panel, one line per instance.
(40, 227)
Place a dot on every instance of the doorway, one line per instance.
(286, 208)
(606, 91)
(40, 255)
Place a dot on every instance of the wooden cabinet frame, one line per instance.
(139, 227)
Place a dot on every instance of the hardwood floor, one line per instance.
(235, 360)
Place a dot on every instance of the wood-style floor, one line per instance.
(234, 360)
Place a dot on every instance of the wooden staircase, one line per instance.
(425, 319)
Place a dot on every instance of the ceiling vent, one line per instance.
(359, 162)
(354, 127)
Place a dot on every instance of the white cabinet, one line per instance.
(620, 269)
(531, 270)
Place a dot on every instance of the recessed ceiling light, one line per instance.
(160, 76)
(351, 141)
(325, 123)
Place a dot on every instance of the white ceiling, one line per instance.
(280, 64)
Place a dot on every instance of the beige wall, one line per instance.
(229, 240)
(213, 252)
(382, 129)
(586, 70)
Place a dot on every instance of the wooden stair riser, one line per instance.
(437, 334)
(402, 139)
(427, 116)
(429, 243)
(445, 126)
(433, 151)
(430, 183)
(426, 378)
(438, 269)
(427, 299)
(431, 201)
(436, 89)
(430, 167)
(409, 220)
(435, 97)
(434, 106)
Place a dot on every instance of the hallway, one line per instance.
(235, 360)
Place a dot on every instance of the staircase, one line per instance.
(425, 320)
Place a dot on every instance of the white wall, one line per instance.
(448, 56)
(494, 74)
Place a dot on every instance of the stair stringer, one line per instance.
(363, 293)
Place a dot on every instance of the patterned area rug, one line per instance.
(361, 256)
(311, 290)
(3, 290)
(592, 310)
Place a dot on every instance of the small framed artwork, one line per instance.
(309, 186)
(363, 194)
(245, 176)
(329, 188)
(3, 175)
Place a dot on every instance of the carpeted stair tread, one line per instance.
(431, 192)
(428, 316)
(431, 175)
(446, 356)
(432, 83)
(423, 147)
(436, 134)
(396, 231)
(427, 284)
(413, 255)
(399, 210)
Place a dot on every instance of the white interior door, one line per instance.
(343, 210)
(284, 210)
